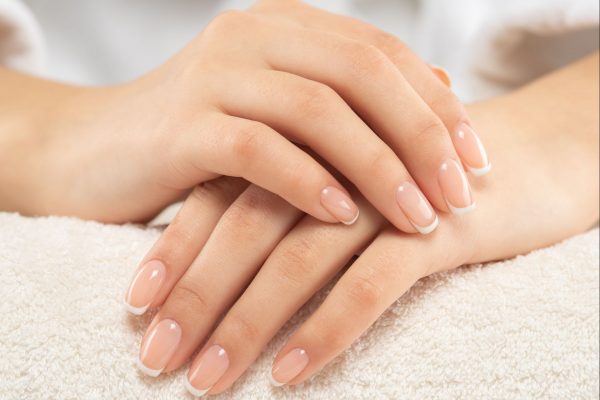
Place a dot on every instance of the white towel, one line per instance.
(522, 328)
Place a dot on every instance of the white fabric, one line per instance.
(525, 328)
(21, 39)
(492, 46)
(488, 46)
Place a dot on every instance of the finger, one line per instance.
(307, 258)
(442, 75)
(433, 88)
(180, 243)
(385, 271)
(373, 86)
(313, 114)
(238, 245)
(256, 152)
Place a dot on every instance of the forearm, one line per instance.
(27, 109)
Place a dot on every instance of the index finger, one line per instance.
(383, 273)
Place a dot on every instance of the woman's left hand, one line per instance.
(220, 292)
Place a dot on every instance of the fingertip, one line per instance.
(442, 74)
(339, 204)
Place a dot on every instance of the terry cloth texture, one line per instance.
(525, 328)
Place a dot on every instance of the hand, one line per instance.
(515, 220)
(234, 98)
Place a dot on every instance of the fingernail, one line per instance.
(455, 188)
(416, 208)
(442, 74)
(145, 285)
(340, 205)
(159, 346)
(471, 150)
(288, 367)
(207, 371)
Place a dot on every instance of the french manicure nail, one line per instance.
(158, 347)
(145, 285)
(471, 150)
(416, 208)
(455, 187)
(340, 205)
(289, 366)
(207, 371)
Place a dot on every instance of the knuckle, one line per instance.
(364, 292)
(223, 189)
(430, 132)
(227, 21)
(443, 99)
(294, 263)
(366, 61)
(203, 191)
(248, 215)
(315, 101)
(247, 142)
(380, 162)
(243, 220)
(187, 299)
(177, 233)
(306, 176)
(388, 43)
(447, 106)
(240, 326)
(327, 334)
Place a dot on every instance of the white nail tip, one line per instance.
(148, 371)
(136, 310)
(461, 211)
(275, 382)
(193, 390)
(353, 221)
(480, 171)
(424, 230)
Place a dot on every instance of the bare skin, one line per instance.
(226, 105)
(545, 188)
(96, 153)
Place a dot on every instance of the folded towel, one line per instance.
(522, 328)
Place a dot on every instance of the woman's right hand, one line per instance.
(233, 101)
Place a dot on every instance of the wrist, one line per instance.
(30, 113)
(543, 143)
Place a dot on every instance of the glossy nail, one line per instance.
(145, 285)
(289, 366)
(158, 347)
(455, 188)
(207, 370)
(416, 208)
(340, 205)
(471, 150)
(442, 74)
